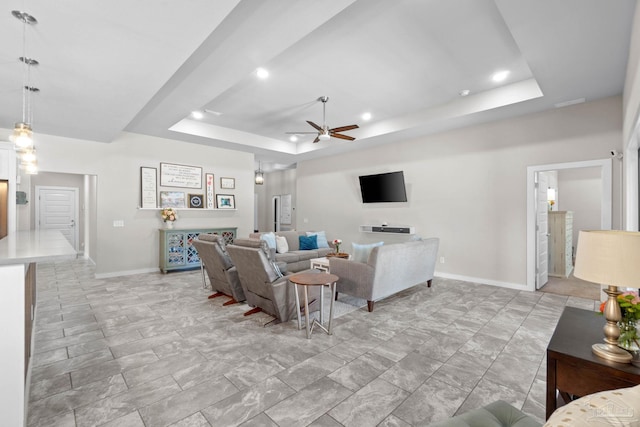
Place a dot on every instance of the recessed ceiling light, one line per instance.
(197, 115)
(366, 116)
(262, 73)
(500, 75)
(293, 138)
(465, 92)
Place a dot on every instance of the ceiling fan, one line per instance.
(324, 133)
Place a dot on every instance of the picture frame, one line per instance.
(227, 183)
(148, 187)
(225, 201)
(196, 201)
(172, 199)
(183, 176)
(210, 191)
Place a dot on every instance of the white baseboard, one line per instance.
(126, 273)
(518, 286)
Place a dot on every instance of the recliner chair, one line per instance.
(263, 283)
(219, 266)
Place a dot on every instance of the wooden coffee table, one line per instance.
(314, 279)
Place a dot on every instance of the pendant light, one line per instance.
(22, 133)
(259, 177)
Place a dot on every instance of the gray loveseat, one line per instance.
(388, 270)
(296, 259)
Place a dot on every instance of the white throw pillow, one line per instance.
(282, 247)
(270, 238)
(321, 238)
(361, 252)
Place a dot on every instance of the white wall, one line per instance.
(466, 186)
(116, 166)
(631, 133)
(580, 191)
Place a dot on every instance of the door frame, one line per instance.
(76, 213)
(605, 210)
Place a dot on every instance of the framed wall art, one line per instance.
(225, 201)
(209, 182)
(172, 199)
(196, 201)
(227, 183)
(172, 175)
(148, 187)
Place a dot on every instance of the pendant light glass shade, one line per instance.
(22, 136)
(259, 176)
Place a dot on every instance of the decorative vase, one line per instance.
(628, 335)
(168, 225)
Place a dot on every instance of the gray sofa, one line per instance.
(388, 270)
(295, 259)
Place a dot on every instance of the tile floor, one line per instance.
(152, 350)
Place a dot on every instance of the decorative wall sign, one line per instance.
(227, 183)
(225, 201)
(195, 201)
(172, 199)
(148, 187)
(172, 175)
(210, 190)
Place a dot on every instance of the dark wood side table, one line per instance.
(572, 369)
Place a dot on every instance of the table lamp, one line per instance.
(612, 258)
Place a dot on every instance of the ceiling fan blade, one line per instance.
(338, 135)
(343, 128)
(299, 133)
(317, 139)
(315, 126)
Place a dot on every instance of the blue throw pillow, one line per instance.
(321, 238)
(361, 252)
(308, 243)
(270, 238)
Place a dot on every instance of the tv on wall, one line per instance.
(383, 187)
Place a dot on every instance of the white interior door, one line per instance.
(57, 209)
(542, 231)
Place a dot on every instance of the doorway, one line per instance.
(4, 208)
(57, 209)
(534, 250)
(276, 213)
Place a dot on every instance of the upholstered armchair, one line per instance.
(219, 267)
(263, 283)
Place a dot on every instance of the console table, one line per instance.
(177, 251)
(572, 369)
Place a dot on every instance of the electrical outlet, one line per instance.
(118, 223)
(306, 220)
(441, 260)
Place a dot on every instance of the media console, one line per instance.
(396, 229)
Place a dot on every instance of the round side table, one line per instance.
(314, 279)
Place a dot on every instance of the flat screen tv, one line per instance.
(383, 187)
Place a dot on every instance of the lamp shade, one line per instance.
(609, 257)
